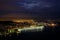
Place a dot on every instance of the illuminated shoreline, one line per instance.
(25, 29)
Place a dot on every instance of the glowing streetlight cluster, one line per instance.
(37, 28)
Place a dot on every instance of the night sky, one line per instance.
(49, 9)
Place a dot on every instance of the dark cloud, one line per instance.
(35, 8)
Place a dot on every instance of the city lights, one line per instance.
(19, 26)
(31, 28)
(52, 25)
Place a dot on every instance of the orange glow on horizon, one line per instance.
(24, 20)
